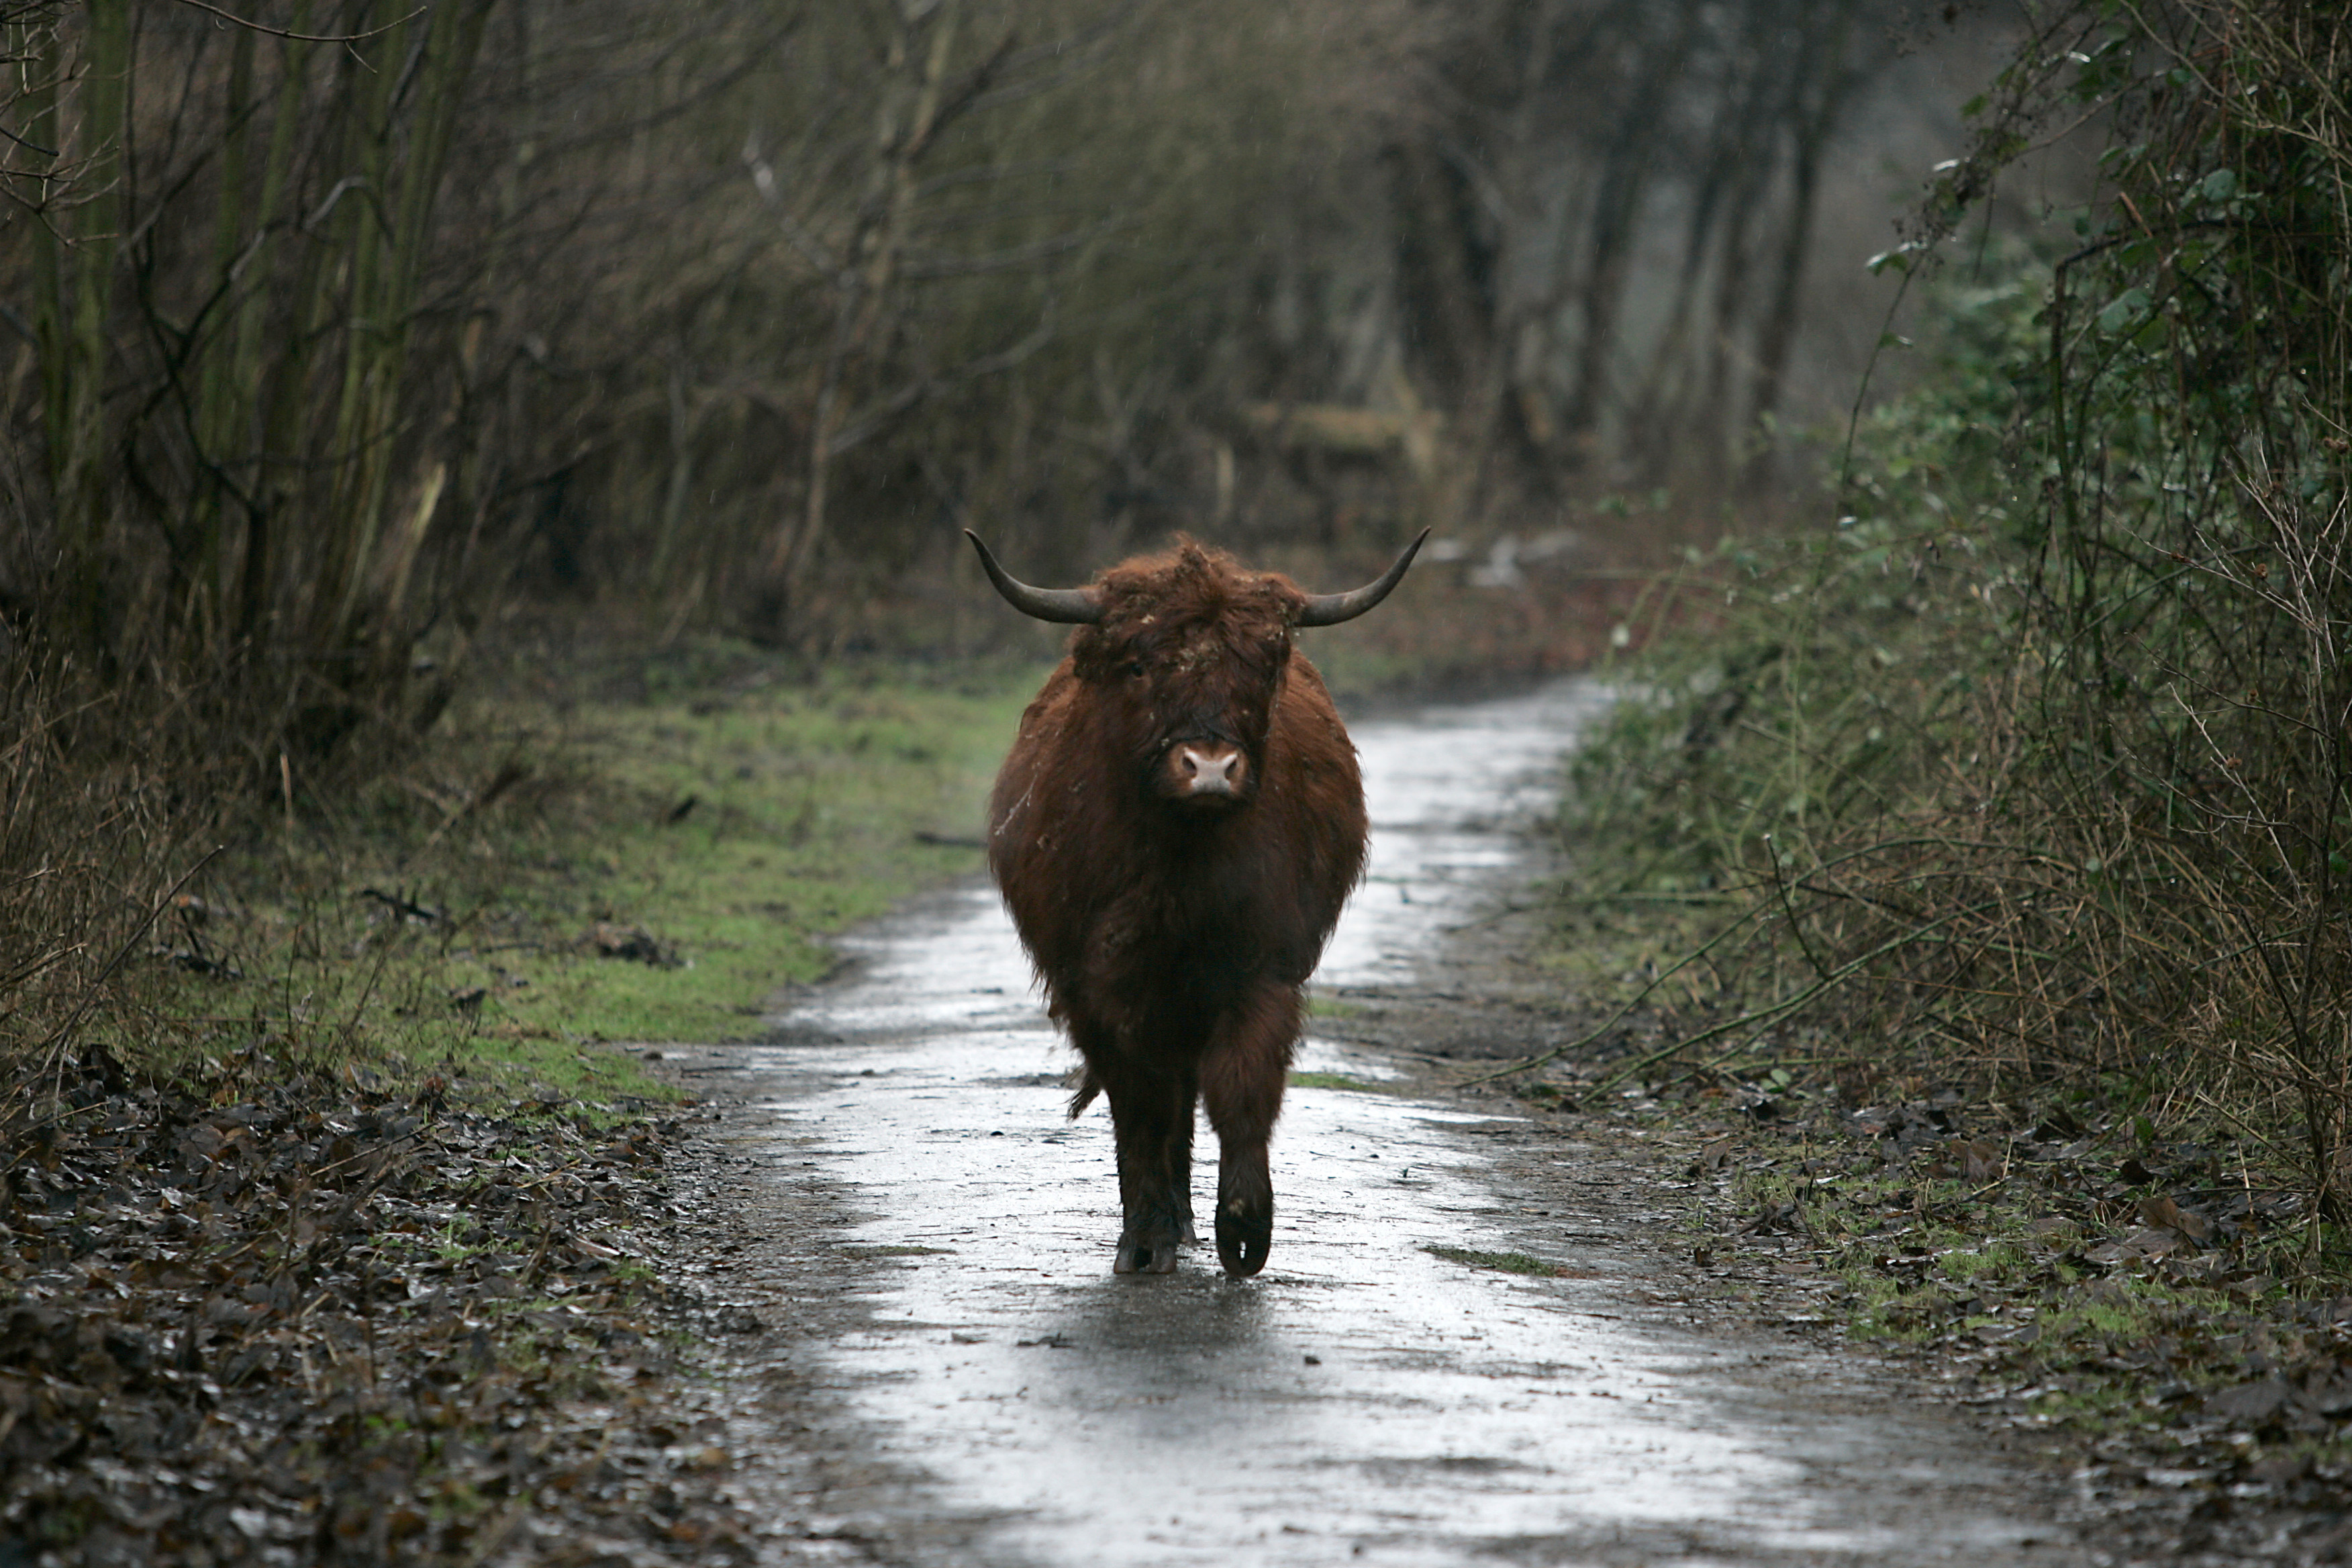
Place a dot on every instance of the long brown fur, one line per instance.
(1172, 946)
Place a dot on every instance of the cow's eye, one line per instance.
(1135, 667)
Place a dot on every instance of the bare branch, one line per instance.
(930, 268)
(307, 38)
(796, 233)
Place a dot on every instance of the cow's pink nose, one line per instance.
(1209, 769)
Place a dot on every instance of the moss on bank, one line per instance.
(634, 853)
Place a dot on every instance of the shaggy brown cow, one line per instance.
(1174, 832)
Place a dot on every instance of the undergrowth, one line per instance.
(2032, 773)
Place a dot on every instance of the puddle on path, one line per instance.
(1362, 1402)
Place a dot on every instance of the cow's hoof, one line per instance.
(1243, 1239)
(1145, 1257)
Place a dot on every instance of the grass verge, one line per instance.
(1944, 883)
(1501, 1262)
(645, 853)
(2141, 1307)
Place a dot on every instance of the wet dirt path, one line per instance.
(1365, 1399)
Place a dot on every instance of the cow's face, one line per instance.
(1187, 663)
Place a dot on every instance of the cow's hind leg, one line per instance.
(1241, 1078)
(1152, 1112)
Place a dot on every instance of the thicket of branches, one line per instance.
(2039, 767)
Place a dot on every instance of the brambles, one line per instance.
(2036, 770)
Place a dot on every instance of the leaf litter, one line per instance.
(261, 1316)
(2142, 1310)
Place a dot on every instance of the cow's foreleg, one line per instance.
(1241, 1078)
(1152, 1111)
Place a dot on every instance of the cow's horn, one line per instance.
(1071, 607)
(1330, 609)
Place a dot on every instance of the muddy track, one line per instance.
(1480, 1338)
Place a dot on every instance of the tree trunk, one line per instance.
(903, 131)
(1824, 74)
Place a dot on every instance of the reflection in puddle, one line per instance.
(1361, 1400)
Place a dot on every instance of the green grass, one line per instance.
(1507, 1262)
(736, 816)
(1335, 1080)
(1973, 1273)
(807, 811)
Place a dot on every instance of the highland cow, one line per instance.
(1174, 832)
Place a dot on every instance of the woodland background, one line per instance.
(334, 333)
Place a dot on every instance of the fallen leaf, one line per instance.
(2250, 1403)
(633, 943)
(1981, 1160)
(2162, 1211)
(1714, 1156)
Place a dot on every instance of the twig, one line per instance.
(404, 907)
(1746, 1020)
(1531, 1063)
(309, 38)
(106, 973)
(1503, 913)
(1588, 898)
(34, 966)
(367, 995)
(1796, 927)
(1862, 391)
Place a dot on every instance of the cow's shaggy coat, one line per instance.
(1174, 832)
